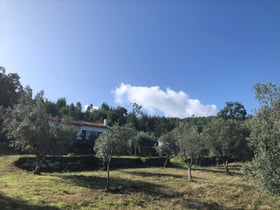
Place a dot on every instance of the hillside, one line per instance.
(144, 188)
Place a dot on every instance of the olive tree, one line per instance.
(115, 141)
(32, 130)
(143, 144)
(188, 142)
(265, 139)
(167, 146)
(227, 139)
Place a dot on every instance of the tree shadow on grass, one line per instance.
(218, 171)
(5, 150)
(149, 174)
(245, 187)
(129, 187)
(124, 185)
(234, 170)
(196, 204)
(8, 203)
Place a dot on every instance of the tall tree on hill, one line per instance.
(132, 117)
(105, 107)
(61, 105)
(146, 123)
(78, 110)
(10, 88)
(265, 139)
(10, 91)
(117, 115)
(233, 110)
(51, 108)
(132, 120)
(71, 111)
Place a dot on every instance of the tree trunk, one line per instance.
(166, 161)
(107, 187)
(226, 167)
(37, 169)
(217, 162)
(221, 157)
(190, 169)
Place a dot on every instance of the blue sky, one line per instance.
(175, 58)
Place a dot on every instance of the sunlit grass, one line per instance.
(141, 188)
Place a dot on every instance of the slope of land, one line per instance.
(141, 188)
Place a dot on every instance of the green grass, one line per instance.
(141, 188)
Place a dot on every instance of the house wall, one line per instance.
(89, 130)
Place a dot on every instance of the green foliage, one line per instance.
(267, 93)
(31, 130)
(233, 110)
(62, 109)
(136, 109)
(146, 123)
(96, 115)
(10, 88)
(168, 145)
(143, 144)
(188, 141)
(132, 120)
(227, 138)
(189, 144)
(199, 122)
(115, 141)
(62, 134)
(117, 116)
(265, 139)
(28, 126)
(60, 103)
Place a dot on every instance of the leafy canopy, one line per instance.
(265, 139)
(115, 141)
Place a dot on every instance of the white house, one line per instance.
(86, 129)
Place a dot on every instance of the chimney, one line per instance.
(105, 122)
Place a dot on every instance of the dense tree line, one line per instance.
(118, 115)
(35, 124)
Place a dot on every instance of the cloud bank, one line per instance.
(169, 102)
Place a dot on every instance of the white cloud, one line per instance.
(169, 102)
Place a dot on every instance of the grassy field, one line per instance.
(144, 188)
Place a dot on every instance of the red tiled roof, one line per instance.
(86, 123)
